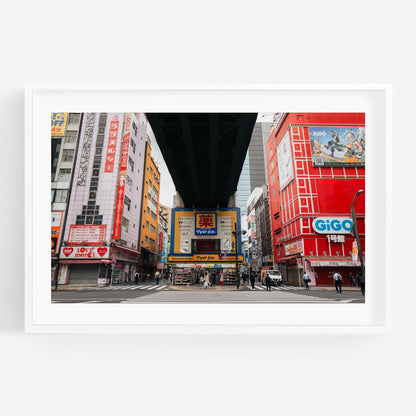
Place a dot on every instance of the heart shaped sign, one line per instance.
(101, 251)
(67, 251)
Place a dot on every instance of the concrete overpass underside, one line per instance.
(204, 153)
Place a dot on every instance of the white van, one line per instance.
(275, 276)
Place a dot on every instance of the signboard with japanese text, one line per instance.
(213, 227)
(56, 222)
(92, 234)
(112, 145)
(337, 146)
(84, 253)
(58, 124)
(294, 248)
(86, 149)
(122, 178)
(206, 224)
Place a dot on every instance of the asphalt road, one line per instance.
(164, 293)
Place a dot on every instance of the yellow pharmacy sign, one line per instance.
(58, 123)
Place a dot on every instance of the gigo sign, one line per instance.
(332, 225)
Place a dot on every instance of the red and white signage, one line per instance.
(112, 145)
(56, 222)
(85, 253)
(92, 234)
(122, 178)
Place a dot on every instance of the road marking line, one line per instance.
(161, 287)
(258, 287)
(145, 287)
(152, 287)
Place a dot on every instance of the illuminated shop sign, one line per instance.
(332, 225)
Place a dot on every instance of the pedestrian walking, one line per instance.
(252, 280)
(357, 279)
(338, 281)
(157, 276)
(268, 283)
(136, 278)
(201, 281)
(351, 279)
(306, 279)
(362, 283)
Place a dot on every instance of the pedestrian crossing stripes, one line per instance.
(284, 288)
(133, 287)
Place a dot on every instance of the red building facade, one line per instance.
(315, 166)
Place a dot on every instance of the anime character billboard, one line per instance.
(337, 146)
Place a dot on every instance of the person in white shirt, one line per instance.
(338, 281)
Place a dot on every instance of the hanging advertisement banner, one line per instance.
(122, 178)
(112, 145)
(354, 251)
(285, 161)
(58, 124)
(337, 146)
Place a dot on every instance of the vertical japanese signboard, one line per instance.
(86, 149)
(58, 124)
(56, 222)
(122, 178)
(112, 145)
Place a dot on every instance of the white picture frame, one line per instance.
(373, 316)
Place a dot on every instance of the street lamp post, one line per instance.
(357, 238)
(236, 234)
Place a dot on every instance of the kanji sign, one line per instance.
(206, 224)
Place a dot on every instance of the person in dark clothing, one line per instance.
(252, 279)
(362, 283)
(268, 283)
(136, 278)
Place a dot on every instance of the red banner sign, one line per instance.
(112, 145)
(122, 178)
(85, 253)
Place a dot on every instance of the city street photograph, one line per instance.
(218, 208)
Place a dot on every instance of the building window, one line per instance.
(151, 170)
(64, 175)
(70, 137)
(135, 129)
(152, 242)
(133, 145)
(73, 118)
(147, 224)
(153, 215)
(131, 163)
(127, 201)
(67, 155)
(61, 195)
(129, 182)
(146, 238)
(125, 224)
(152, 228)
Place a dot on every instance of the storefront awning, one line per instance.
(328, 261)
(147, 251)
(126, 249)
(89, 261)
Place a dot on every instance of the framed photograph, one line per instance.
(214, 260)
